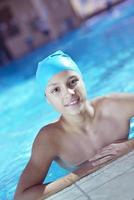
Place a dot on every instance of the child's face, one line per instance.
(66, 92)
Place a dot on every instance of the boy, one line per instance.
(87, 135)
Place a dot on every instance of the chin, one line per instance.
(74, 110)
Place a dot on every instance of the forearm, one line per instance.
(40, 192)
(68, 180)
(59, 185)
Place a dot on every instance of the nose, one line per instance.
(68, 92)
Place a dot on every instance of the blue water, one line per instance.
(104, 50)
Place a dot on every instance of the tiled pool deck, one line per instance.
(115, 181)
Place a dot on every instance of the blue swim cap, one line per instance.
(52, 65)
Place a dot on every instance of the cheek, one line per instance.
(56, 102)
(81, 90)
(82, 93)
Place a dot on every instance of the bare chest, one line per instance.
(78, 147)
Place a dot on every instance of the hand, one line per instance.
(109, 153)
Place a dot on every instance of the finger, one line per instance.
(108, 150)
(109, 147)
(102, 161)
(102, 154)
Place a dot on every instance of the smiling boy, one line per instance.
(87, 135)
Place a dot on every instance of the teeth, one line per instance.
(73, 102)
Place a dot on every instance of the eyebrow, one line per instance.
(53, 84)
(74, 76)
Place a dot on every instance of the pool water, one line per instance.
(104, 50)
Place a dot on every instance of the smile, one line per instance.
(74, 102)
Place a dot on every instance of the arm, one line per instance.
(30, 185)
(125, 106)
(122, 105)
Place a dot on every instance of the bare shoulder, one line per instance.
(105, 104)
(110, 99)
(44, 148)
(46, 135)
(100, 102)
(115, 102)
(46, 139)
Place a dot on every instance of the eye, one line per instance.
(73, 82)
(55, 90)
